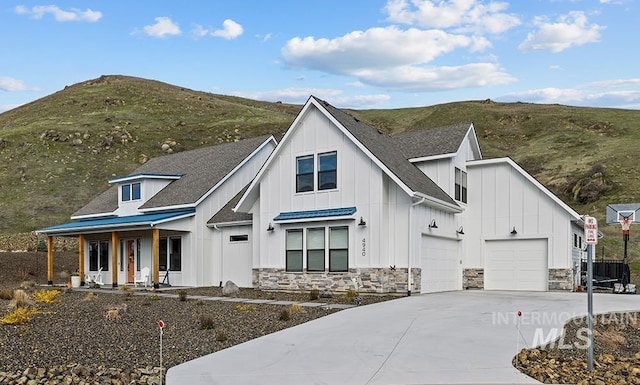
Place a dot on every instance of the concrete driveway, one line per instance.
(455, 337)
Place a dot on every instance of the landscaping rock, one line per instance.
(230, 289)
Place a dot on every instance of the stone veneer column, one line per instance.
(560, 279)
(473, 279)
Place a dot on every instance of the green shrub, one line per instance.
(182, 294)
(314, 294)
(246, 307)
(351, 294)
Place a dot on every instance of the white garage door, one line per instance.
(516, 265)
(440, 265)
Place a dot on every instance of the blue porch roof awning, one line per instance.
(114, 222)
(315, 214)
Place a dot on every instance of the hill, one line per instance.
(58, 152)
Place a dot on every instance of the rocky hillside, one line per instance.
(58, 152)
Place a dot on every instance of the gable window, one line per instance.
(313, 242)
(130, 192)
(461, 186)
(323, 177)
(304, 173)
(327, 170)
(170, 254)
(98, 255)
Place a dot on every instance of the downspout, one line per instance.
(409, 276)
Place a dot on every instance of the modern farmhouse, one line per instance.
(338, 205)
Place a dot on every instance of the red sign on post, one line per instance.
(590, 230)
(161, 324)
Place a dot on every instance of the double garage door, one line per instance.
(516, 265)
(440, 265)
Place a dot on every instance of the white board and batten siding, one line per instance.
(503, 197)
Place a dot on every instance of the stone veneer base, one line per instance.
(364, 280)
(559, 279)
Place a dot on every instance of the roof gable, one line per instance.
(201, 171)
(380, 148)
(436, 142)
(528, 177)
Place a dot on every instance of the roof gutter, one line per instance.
(437, 203)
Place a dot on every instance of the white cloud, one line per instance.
(163, 27)
(300, 96)
(618, 93)
(395, 59)
(568, 31)
(11, 84)
(461, 15)
(230, 30)
(374, 48)
(421, 79)
(39, 11)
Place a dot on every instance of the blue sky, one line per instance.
(353, 53)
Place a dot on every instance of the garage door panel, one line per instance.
(516, 265)
(440, 265)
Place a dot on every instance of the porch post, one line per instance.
(81, 258)
(156, 258)
(114, 261)
(50, 259)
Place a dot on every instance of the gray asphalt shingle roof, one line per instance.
(389, 153)
(431, 142)
(226, 213)
(201, 169)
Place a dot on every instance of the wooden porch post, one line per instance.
(114, 261)
(50, 259)
(156, 258)
(81, 258)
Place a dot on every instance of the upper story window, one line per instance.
(461, 186)
(323, 177)
(130, 192)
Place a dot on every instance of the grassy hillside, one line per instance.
(58, 152)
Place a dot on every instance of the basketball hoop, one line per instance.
(626, 224)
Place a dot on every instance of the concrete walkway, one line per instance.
(457, 337)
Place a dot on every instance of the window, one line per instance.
(239, 238)
(313, 241)
(315, 249)
(294, 250)
(304, 173)
(171, 248)
(98, 255)
(461, 186)
(130, 192)
(327, 175)
(327, 167)
(338, 249)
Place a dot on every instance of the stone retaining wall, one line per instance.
(364, 280)
(33, 242)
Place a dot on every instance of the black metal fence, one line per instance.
(606, 271)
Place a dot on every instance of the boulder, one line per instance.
(230, 289)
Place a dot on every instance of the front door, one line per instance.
(131, 260)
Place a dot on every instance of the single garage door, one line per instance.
(516, 265)
(440, 265)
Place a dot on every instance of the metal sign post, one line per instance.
(161, 326)
(591, 238)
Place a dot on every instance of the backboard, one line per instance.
(616, 212)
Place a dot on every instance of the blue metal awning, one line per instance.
(114, 222)
(314, 214)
